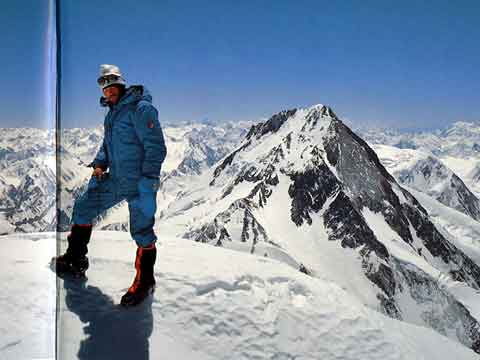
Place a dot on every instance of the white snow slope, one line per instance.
(210, 303)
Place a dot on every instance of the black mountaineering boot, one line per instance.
(74, 262)
(144, 282)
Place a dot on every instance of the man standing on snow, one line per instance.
(133, 150)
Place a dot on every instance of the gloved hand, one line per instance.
(99, 173)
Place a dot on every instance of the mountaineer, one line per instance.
(133, 151)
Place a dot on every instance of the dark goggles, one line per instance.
(107, 79)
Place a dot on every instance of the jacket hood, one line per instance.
(132, 94)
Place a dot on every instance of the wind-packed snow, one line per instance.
(210, 303)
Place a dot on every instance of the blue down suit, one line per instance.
(133, 149)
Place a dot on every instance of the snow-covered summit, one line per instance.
(210, 303)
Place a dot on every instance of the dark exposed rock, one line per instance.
(304, 270)
(345, 138)
(468, 203)
(260, 192)
(271, 125)
(348, 226)
(389, 307)
(309, 190)
(216, 231)
(312, 118)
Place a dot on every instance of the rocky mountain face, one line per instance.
(302, 188)
(426, 173)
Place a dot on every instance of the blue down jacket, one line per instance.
(133, 147)
(133, 150)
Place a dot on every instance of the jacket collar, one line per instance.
(132, 94)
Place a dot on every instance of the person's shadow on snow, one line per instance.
(113, 332)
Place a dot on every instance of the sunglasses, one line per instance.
(107, 79)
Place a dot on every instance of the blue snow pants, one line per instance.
(102, 194)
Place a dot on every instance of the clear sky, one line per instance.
(23, 99)
(411, 64)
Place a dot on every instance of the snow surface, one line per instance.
(463, 232)
(210, 303)
(27, 301)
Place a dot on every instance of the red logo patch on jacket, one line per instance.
(150, 124)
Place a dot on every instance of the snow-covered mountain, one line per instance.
(461, 139)
(304, 189)
(426, 173)
(27, 180)
(194, 147)
(458, 147)
(210, 303)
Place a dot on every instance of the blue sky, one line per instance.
(22, 60)
(412, 64)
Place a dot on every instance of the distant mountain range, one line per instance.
(390, 217)
(30, 179)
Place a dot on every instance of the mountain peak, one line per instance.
(271, 125)
(305, 180)
(307, 125)
(323, 110)
(311, 115)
